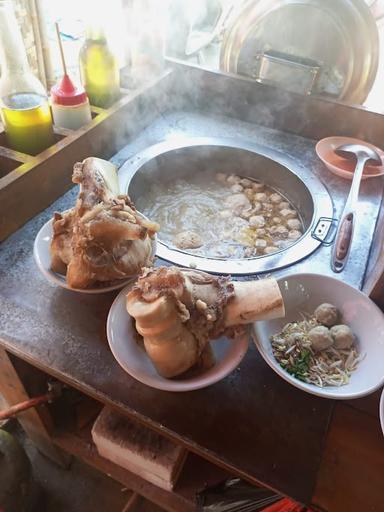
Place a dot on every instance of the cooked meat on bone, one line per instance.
(178, 311)
(103, 238)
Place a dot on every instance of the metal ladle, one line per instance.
(344, 235)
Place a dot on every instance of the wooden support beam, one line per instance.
(13, 392)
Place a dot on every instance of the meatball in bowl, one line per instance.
(331, 341)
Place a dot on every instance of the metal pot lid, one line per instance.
(318, 47)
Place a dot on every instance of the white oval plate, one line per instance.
(302, 293)
(133, 359)
(42, 255)
(381, 411)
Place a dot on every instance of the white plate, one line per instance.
(381, 411)
(303, 293)
(133, 359)
(41, 252)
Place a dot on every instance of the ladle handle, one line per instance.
(344, 235)
(343, 242)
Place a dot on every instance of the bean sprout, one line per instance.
(331, 367)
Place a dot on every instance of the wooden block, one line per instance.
(138, 449)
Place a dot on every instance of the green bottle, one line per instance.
(99, 69)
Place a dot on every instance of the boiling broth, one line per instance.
(222, 216)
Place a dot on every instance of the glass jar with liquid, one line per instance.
(99, 68)
(25, 110)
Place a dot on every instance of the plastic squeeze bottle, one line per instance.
(70, 104)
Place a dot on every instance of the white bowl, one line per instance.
(381, 411)
(302, 293)
(134, 360)
(42, 255)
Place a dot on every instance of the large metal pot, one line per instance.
(167, 161)
(323, 47)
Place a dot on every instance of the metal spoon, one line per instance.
(343, 239)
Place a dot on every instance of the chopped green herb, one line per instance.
(300, 368)
(292, 349)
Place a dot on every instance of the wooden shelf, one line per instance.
(49, 173)
(195, 476)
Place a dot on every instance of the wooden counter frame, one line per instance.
(354, 427)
